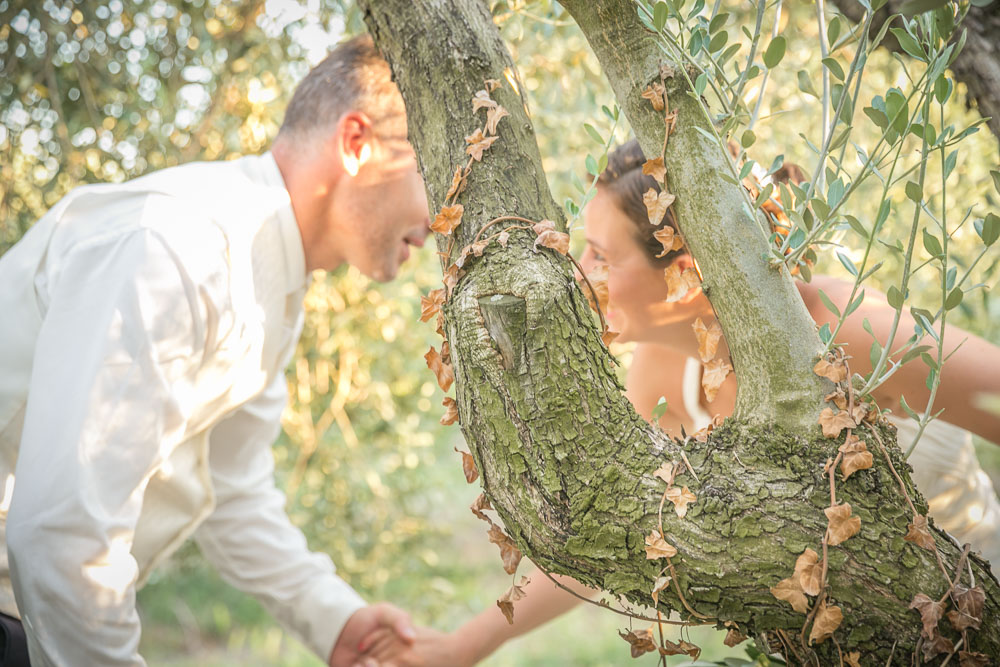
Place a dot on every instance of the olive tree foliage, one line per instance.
(575, 475)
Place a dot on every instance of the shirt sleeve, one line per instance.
(108, 400)
(254, 544)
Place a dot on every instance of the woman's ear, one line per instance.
(683, 263)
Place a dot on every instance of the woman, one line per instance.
(961, 497)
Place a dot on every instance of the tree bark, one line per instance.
(562, 456)
(978, 66)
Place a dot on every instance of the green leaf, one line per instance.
(858, 300)
(824, 332)
(877, 117)
(833, 30)
(870, 272)
(954, 298)
(914, 353)
(942, 89)
(857, 226)
(805, 84)
(602, 162)
(908, 44)
(949, 164)
(931, 244)
(835, 69)
(660, 16)
(591, 165)
(829, 304)
(718, 22)
(996, 179)
(718, 42)
(874, 353)
(894, 297)
(914, 192)
(797, 238)
(748, 138)
(572, 207)
(988, 229)
(746, 169)
(594, 134)
(700, 83)
(908, 409)
(775, 166)
(806, 274)
(848, 264)
(821, 208)
(911, 7)
(660, 409)
(775, 52)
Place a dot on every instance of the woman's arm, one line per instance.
(973, 370)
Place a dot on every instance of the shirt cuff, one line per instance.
(325, 611)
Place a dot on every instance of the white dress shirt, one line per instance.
(144, 331)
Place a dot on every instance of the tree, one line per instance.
(563, 458)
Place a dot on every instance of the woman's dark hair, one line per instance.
(623, 178)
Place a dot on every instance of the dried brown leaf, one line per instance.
(657, 547)
(450, 411)
(970, 608)
(680, 648)
(838, 398)
(468, 466)
(493, 117)
(919, 533)
(478, 247)
(828, 619)
(841, 525)
(930, 611)
(442, 371)
(492, 84)
(457, 183)
(790, 591)
(654, 93)
(509, 552)
(543, 226)
(657, 204)
(971, 659)
(659, 585)
(853, 659)
(936, 645)
(679, 283)
(713, 376)
(836, 371)
(608, 336)
(834, 422)
(478, 143)
(503, 237)
(666, 472)
(655, 169)
(512, 595)
(681, 498)
(451, 277)
(482, 100)
(479, 505)
(856, 456)
(558, 241)
(708, 338)
(640, 641)
(669, 239)
(598, 278)
(809, 572)
(734, 637)
(448, 219)
(430, 305)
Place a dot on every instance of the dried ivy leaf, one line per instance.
(478, 143)
(442, 371)
(457, 183)
(492, 84)
(834, 422)
(509, 552)
(842, 526)
(659, 585)
(936, 645)
(657, 547)
(654, 93)
(970, 608)
(679, 283)
(440, 324)
(430, 305)
(451, 277)
(468, 466)
(836, 371)
(478, 247)
(809, 572)
(493, 117)
(666, 472)
(856, 456)
(930, 611)
(681, 498)
(608, 336)
(448, 219)
(543, 226)
(502, 238)
(640, 641)
(708, 338)
(919, 533)
(970, 659)
(828, 619)
(655, 169)
(790, 591)
(713, 376)
(853, 659)
(657, 204)
(838, 398)
(680, 648)
(450, 412)
(734, 637)
(669, 239)
(512, 595)
(479, 505)
(482, 100)
(598, 278)
(558, 241)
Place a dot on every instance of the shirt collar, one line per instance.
(291, 237)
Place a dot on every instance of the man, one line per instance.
(145, 332)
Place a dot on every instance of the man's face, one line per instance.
(381, 209)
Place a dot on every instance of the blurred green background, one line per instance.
(105, 90)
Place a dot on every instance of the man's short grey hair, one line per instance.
(353, 77)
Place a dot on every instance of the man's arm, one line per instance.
(255, 547)
(106, 404)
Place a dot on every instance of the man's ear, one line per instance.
(353, 141)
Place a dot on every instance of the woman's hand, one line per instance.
(430, 649)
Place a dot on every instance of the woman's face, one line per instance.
(637, 291)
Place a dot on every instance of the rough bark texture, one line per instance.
(978, 66)
(562, 455)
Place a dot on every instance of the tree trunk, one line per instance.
(978, 66)
(563, 457)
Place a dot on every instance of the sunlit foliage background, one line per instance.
(106, 90)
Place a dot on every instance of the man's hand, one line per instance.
(431, 649)
(348, 651)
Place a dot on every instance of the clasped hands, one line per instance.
(382, 635)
